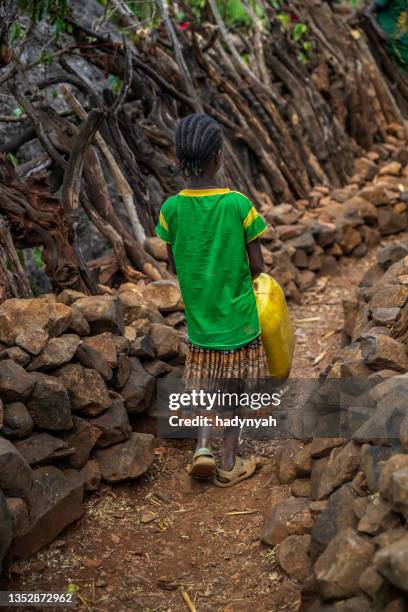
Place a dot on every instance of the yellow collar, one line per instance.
(203, 192)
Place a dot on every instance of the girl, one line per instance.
(212, 237)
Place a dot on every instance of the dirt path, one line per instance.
(140, 545)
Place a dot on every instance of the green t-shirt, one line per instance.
(208, 230)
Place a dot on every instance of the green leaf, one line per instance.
(17, 112)
(12, 159)
(114, 83)
(299, 30)
(38, 259)
(54, 93)
(284, 20)
(16, 31)
(72, 588)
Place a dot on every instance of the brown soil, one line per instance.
(149, 544)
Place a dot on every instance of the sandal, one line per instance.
(203, 464)
(243, 468)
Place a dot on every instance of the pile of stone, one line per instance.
(72, 370)
(310, 236)
(343, 532)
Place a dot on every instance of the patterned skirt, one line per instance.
(237, 370)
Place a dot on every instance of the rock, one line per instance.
(347, 236)
(49, 404)
(91, 358)
(395, 463)
(91, 475)
(15, 384)
(372, 461)
(156, 248)
(19, 515)
(293, 558)
(56, 352)
(371, 582)
(324, 233)
(306, 279)
(301, 487)
(1, 414)
(54, 503)
(6, 529)
(360, 208)
(390, 222)
(18, 316)
(32, 340)
(138, 391)
(122, 372)
(104, 313)
(137, 307)
(79, 325)
(340, 566)
(113, 425)
(105, 345)
(392, 563)
(122, 345)
(15, 473)
(393, 168)
(282, 214)
(391, 254)
(337, 515)
(302, 461)
(290, 517)
(378, 516)
(175, 319)
(389, 537)
(165, 341)
(365, 168)
(69, 296)
(398, 491)
(17, 421)
(82, 440)
(86, 389)
(376, 194)
(287, 471)
(317, 471)
(320, 447)
(317, 507)
(164, 294)
(142, 347)
(157, 367)
(15, 353)
(305, 241)
(383, 352)
(43, 448)
(127, 460)
(341, 467)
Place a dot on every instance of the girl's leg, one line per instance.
(230, 446)
(204, 437)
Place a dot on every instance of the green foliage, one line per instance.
(38, 259)
(12, 159)
(17, 112)
(16, 31)
(55, 11)
(115, 83)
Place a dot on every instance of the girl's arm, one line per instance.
(256, 260)
(172, 266)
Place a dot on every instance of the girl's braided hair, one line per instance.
(198, 138)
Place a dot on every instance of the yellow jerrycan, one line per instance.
(276, 327)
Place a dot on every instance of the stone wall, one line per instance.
(343, 532)
(72, 370)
